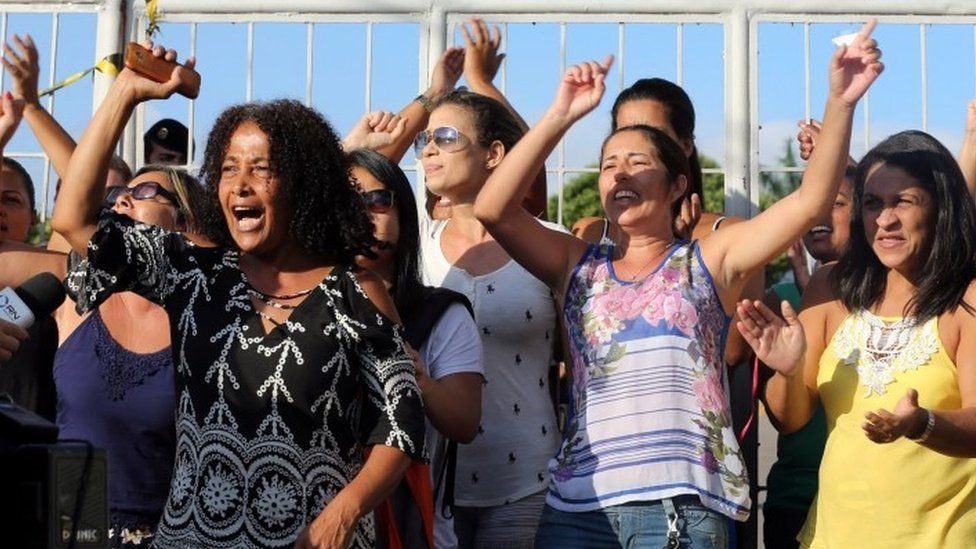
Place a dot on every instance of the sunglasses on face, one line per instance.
(446, 138)
(147, 190)
(379, 201)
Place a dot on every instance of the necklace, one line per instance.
(285, 297)
(268, 317)
(271, 302)
(650, 262)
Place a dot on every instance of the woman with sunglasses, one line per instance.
(288, 358)
(437, 321)
(648, 452)
(502, 473)
(114, 373)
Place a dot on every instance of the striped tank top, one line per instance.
(649, 414)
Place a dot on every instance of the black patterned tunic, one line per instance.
(269, 427)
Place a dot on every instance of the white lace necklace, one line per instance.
(879, 349)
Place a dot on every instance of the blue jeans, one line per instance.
(637, 525)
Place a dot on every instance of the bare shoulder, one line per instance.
(589, 229)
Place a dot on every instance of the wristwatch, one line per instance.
(425, 102)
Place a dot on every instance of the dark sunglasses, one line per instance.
(446, 138)
(379, 201)
(147, 190)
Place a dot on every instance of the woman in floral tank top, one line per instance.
(648, 455)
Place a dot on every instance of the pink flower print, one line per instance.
(670, 276)
(654, 310)
(680, 313)
(709, 394)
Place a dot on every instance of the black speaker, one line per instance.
(41, 486)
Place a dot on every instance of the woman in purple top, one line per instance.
(114, 373)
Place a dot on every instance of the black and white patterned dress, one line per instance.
(269, 427)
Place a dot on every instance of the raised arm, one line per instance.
(446, 73)
(481, 64)
(21, 62)
(545, 253)
(967, 156)
(852, 71)
(83, 187)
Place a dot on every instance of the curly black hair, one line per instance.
(329, 217)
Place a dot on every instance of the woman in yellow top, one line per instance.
(887, 341)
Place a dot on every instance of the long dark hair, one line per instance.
(860, 278)
(681, 116)
(668, 152)
(329, 216)
(407, 286)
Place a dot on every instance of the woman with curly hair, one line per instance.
(289, 359)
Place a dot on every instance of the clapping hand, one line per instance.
(21, 63)
(13, 112)
(907, 418)
(446, 73)
(481, 57)
(778, 342)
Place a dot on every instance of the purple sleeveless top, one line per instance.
(123, 402)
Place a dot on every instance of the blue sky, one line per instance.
(532, 71)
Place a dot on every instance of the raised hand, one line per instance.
(907, 418)
(13, 112)
(481, 57)
(22, 65)
(376, 129)
(687, 220)
(778, 342)
(581, 89)
(971, 117)
(797, 254)
(807, 137)
(142, 88)
(854, 67)
(446, 73)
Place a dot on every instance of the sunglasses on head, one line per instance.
(147, 190)
(446, 138)
(379, 201)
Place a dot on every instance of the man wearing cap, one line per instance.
(165, 143)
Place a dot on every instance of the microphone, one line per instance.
(38, 297)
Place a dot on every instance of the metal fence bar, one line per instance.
(309, 61)
(923, 66)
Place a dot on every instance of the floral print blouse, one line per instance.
(649, 415)
(269, 426)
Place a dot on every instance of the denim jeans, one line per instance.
(634, 525)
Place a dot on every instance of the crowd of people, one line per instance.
(292, 350)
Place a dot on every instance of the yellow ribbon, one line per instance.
(109, 65)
